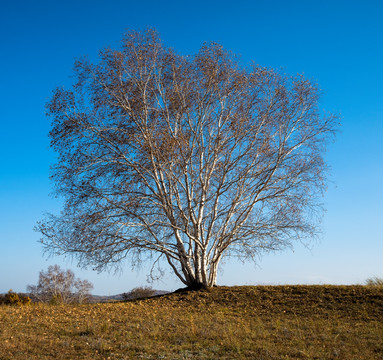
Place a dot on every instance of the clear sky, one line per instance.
(337, 43)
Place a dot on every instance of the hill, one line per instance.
(250, 322)
(118, 297)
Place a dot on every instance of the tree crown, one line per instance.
(190, 158)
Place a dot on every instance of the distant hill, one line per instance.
(119, 297)
(100, 298)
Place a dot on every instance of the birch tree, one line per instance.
(186, 158)
(60, 286)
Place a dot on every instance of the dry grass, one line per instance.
(275, 322)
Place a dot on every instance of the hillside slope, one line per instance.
(260, 322)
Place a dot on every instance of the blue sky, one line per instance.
(337, 43)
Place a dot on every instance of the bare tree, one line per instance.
(60, 286)
(82, 292)
(186, 158)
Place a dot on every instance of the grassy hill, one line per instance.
(118, 297)
(249, 322)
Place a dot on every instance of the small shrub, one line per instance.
(12, 298)
(139, 292)
(25, 300)
(374, 281)
(56, 300)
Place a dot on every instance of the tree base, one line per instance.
(193, 287)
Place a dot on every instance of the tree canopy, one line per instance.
(185, 158)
